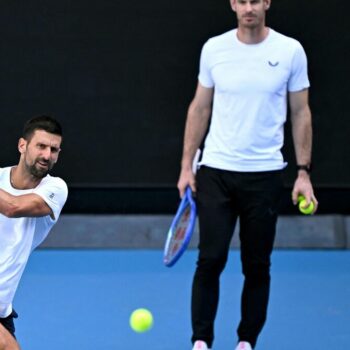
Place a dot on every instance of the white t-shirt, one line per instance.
(250, 99)
(20, 236)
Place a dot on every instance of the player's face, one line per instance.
(250, 13)
(40, 153)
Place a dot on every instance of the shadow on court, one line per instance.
(82, 299)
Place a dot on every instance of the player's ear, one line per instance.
(267, 4)
(233, 4)
(22, 145)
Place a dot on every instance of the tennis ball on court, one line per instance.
(302, 203)
(141, 320)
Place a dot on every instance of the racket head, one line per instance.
(181, 229)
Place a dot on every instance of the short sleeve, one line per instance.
(54, 192)
(205, 77)
(298, 79)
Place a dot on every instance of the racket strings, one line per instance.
(181, 229)
(179, 232)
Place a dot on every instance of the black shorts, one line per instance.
(8, 323)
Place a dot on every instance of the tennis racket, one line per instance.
(181, 229)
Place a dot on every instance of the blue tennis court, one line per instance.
(82, 299)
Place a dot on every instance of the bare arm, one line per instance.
(302, 137)
(27, 205)
(198, 116)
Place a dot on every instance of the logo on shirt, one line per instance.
(273, 64)
(52, 195)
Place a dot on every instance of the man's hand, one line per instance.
(187, 178)
(303, 186)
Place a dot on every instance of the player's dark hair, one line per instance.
(41, 122)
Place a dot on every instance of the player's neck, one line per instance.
(22, 181)
(252, 35)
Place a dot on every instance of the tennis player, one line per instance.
(30, 203)
(246, 76)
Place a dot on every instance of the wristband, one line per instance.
(306, 167)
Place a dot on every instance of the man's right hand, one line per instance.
(186, 178)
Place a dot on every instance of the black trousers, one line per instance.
(222, 197)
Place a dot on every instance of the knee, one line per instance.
(212, 264)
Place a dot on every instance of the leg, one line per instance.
(259, 198)
(216, 221)
(7, 341)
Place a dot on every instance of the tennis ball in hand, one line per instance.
(141, 320)
(302, 203)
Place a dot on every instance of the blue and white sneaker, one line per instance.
(200, 345)
(243, 345)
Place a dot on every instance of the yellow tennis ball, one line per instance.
(141, 320)
(302, 206)
(300, 198)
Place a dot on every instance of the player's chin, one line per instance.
(40, 171)
(250, 22)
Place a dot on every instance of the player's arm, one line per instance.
(302, 136)
(198, 116)
(27, 205)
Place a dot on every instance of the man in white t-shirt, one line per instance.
(30, 203)
(246, 76)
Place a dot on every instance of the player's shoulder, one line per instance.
(4, 170)
(221, 39)
(284, 39)
(56, 181)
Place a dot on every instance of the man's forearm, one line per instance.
(302, 136)
(196, 127)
